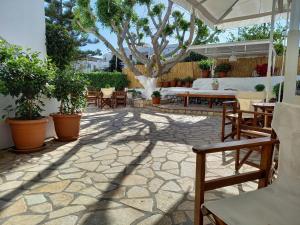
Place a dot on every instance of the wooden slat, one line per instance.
(232, 180)
(233, 145)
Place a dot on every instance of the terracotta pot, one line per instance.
(160, 84)
(155, 100)
(67, 126)
(173, 83)
(205, 73)
(187, 84)
(222, 74)
(179, 84)
(166, 84)
(28, 135)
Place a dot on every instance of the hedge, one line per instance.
(98, 80)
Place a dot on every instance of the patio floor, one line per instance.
(130, 166)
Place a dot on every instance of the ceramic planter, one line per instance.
(179, 83)
(222, 74)
(173, 83)
(67, 127)
(155, 100)
(205, 73)
(28, 135)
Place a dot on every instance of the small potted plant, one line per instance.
(25, 77)
(69, 88)
(215, 84)
(188, 82)
(178, 82)
(222, 69)
(156, 97)
(259, 87)
(205, 66)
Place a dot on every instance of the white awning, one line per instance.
(233, 13)
(238, 49)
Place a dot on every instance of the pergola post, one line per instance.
(270, 56)
(292, 54)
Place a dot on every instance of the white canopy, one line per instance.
(233, 13)
(238, 49)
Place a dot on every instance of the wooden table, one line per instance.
(266, 107)
(209, 97)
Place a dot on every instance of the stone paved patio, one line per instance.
(130, 166)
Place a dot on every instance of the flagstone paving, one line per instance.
(130, 166)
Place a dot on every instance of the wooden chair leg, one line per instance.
(199, 189)
(266, 164)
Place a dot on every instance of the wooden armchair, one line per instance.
(275, 204)
(264, 145)
(230, 108)
(106, 97)
(120, 97)
(92, 97)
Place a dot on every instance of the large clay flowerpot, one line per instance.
(205, 73)
(28, 135)
(67, 126)
(155, 100)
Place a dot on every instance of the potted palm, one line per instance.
(25, 77)
(69, 88)
(156, 97)
(222, 69)
(205, 66)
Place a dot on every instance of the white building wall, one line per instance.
(22, 22)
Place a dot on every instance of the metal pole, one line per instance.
(269, 71)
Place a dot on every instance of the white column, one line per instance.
(292, 54)
(270, 56)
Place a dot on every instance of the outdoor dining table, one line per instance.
(265, 107)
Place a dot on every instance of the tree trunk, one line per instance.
(149, 85)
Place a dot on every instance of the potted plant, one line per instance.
(215, 84)
(259, 87)
(25, 77)
(69, 88)
(205, 66)
(156, 97)
(188, 82)
(222, 69)
(178, 82)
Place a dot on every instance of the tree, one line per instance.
(61, 47)
(60, 12)
(115, 65)
(259, 32)
(159, 26)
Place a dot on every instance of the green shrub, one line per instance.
(25, 77)
(98, 80)
(277, 87)
(205, 64)
(223, 67)
(259, 87)
(156, 94)
(69, 89)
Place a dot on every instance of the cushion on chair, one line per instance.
(247, 98)
(107, 92)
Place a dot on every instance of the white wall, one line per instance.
(22, 22)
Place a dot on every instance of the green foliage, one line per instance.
(205, 64)
(259, 87)
(69, 89)
(223, 67)
(25, 77)
(156, 94)
(98, 80)
(260, 32)
(276, 89)
(61, 47)
(194, 57)
(204, 34)
(188, 79)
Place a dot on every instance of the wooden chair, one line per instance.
(244, 102)
(92, 97)
(274, 204)
(257, 128)
(121, 98)
(106, 97)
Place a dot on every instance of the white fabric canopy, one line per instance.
(233, 13)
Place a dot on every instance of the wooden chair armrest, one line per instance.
(255, 113)
(226, 104)
(233, 145)
(229, 102)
